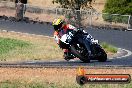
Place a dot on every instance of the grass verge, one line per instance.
(17, 47)
(109, 48)
(7, 44)
(20, 47)
(24, 84)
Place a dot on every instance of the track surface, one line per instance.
(118, 38)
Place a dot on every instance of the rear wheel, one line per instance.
(80, 52)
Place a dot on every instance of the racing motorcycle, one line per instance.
(78, 44)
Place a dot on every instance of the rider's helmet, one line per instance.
(57, 24)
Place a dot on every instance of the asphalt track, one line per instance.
(121, 39)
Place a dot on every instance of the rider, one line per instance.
(62, 28)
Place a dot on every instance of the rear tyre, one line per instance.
(84, 58)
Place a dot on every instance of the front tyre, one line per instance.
(85, 58)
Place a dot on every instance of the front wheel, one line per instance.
(81, 53)
(102, 56)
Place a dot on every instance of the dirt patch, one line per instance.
(98, 5)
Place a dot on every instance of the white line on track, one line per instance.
(128, 53)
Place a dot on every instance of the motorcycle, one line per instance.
(79, 44)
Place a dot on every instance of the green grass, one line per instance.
(24, 84)
(18, 84)
(7, 44)
(109, 48)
